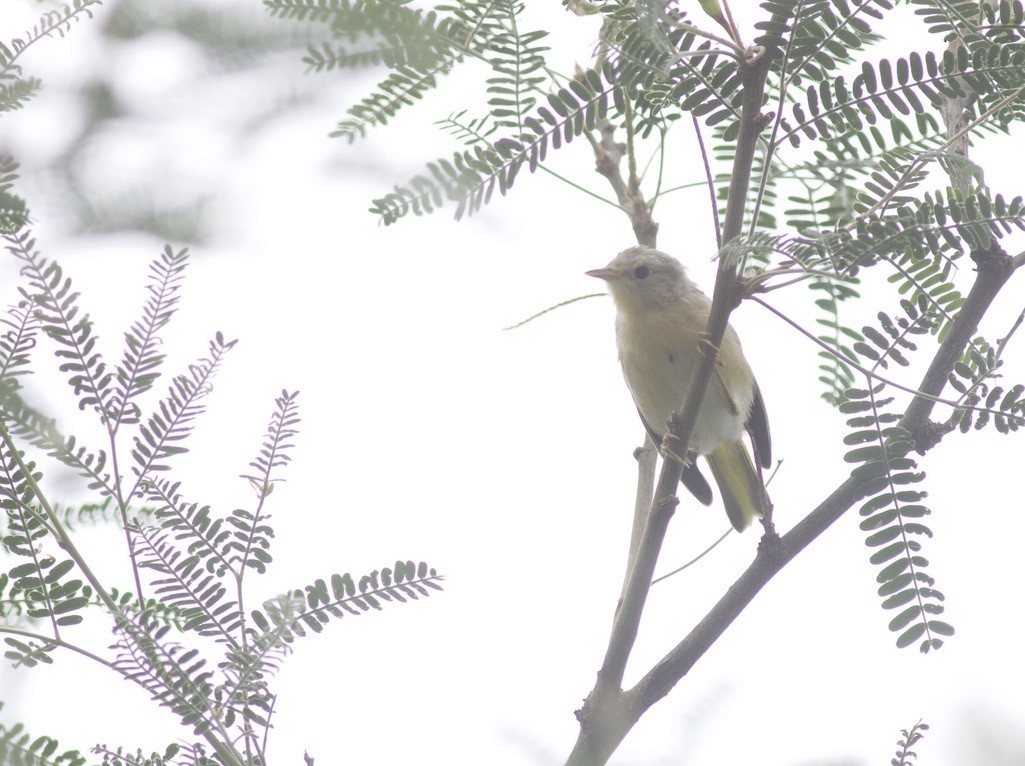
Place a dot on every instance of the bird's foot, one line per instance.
(671, 449)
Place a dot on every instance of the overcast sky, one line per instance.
(501, 458)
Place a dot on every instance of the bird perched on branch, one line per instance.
(660, 331)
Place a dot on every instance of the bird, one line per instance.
(661, 317)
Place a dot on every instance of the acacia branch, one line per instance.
(608, 154)
(994, 270)
(872, 375)
(608, 713)
(227, 752)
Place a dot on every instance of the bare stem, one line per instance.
(647, 457)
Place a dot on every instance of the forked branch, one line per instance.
(608, 712)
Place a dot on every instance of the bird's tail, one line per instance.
(741, 488)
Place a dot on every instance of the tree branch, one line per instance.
(608, 713)
(608, 154)
(647, 457)
(995, 268)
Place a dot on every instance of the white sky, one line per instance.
(502, 458)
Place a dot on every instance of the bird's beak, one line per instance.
(607, 274)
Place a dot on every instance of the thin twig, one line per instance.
(734, 29)
(63, 538)
(681, 187)
(122, 506)
(846, 360)
(647, 457)
(661, 167)
(631, 154)
(710, 181)
(696, 559)
(57, 644)
(760, 277)
(915, 166)
(1002, 343)
(579, 187)
(552, 308)
(734, 48)
(956, 405)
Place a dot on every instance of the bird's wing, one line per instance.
(691, 477)
(757, 426)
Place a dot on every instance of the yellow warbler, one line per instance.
(660, 323)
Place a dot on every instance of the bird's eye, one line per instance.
(641, 272)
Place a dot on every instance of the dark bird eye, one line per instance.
(641, 272)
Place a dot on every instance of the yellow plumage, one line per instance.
(735, 475)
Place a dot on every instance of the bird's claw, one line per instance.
(670, 445)
(705, 344)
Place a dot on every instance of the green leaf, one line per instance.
(904, 618)
(910, 635)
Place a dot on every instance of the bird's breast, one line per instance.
(660, 352)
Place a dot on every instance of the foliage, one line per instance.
(49, 588)
(852, 145)
(194, 560)
(16, 90)
(893, 511)
(971, 378)
(190, 556)
(860, 175)
(909, 738)
(118, 756)
(19, 748)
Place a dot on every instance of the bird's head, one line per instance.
(642, 279)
